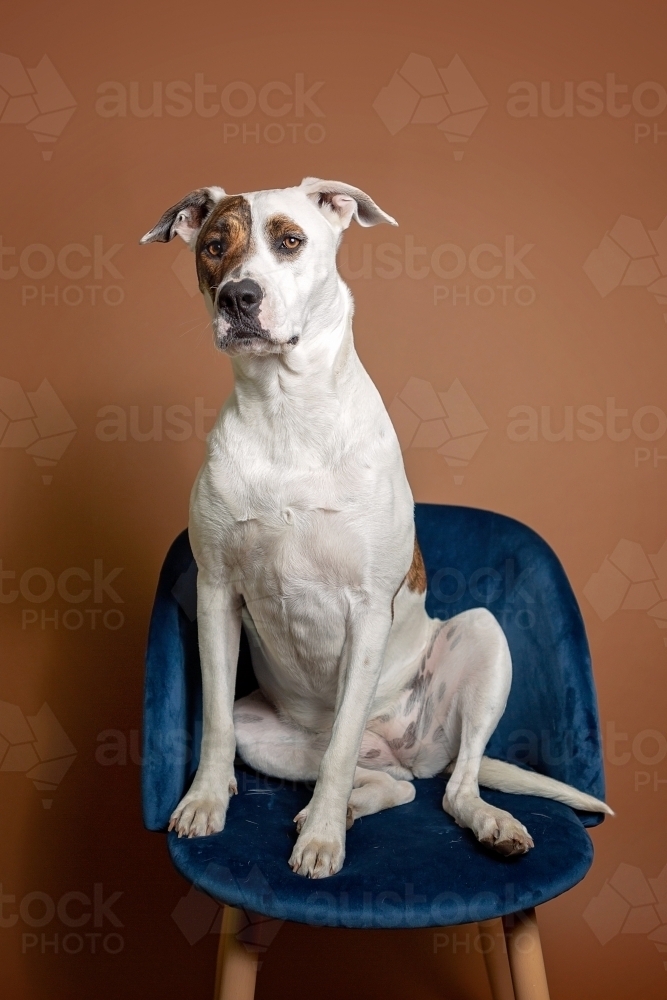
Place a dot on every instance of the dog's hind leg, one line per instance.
(479, 670)
(373, 791)
(276, 746)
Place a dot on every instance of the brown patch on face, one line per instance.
(285, 237)
(416, 578)
(224, 242)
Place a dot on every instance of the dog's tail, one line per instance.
(506, 777)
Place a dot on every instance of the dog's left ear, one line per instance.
(186, 218)
(340, 203)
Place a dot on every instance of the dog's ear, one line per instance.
(340, 203)
(186, 218)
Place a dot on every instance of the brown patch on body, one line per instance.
(280, 231)
(224, 242)
(416, 578)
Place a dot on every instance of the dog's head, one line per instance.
(266, 261)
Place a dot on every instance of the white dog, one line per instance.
(302, 526)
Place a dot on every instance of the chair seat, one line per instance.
(410, 866)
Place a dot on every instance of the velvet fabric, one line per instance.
(409, 866)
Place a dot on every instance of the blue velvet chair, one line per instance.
(410, 866)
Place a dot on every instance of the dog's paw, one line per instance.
(501, 831)
(318, 853)
(300, 819)
(201, 811)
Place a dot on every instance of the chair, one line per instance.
(410, 866)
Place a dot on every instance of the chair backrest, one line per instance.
(473, 558)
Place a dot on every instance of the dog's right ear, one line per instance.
(186, 218)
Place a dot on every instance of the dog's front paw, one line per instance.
(202, 810)
(319, 850)
(504, 834)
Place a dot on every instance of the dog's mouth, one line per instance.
(236, 329)
(243, 337)
(247, 332)
(234, 336)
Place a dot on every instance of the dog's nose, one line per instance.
(240, 298)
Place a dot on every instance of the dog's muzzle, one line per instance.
(238, 305)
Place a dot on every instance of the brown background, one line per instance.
(558, 183)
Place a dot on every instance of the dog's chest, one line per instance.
(301, 535)
(296, 554)
(288, 534)
(296, 544)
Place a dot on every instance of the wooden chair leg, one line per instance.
(493, 947)
(236, 970)
(525, 956)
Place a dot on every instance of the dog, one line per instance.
(302, 527)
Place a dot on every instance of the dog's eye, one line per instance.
(291, 242)
(214, 248)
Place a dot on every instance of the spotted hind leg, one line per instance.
(274, 745)
(445, 715)
(372, 792)
(482, 671)
(277, 747)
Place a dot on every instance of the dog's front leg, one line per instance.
(320, 847)
(203, 808)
